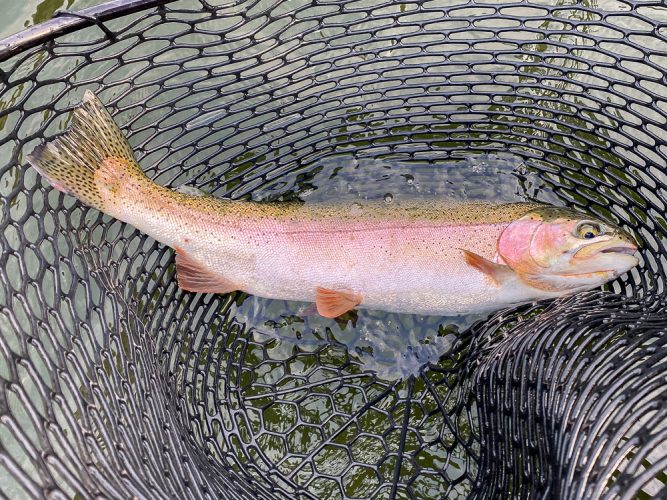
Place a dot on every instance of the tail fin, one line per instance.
(93, 140)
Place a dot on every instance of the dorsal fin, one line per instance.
(195, 277)
(190, 190)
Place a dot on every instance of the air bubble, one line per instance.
(356, 209)
(388, 198)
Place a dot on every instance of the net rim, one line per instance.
(65, 22)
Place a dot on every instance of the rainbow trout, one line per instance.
(427, 257)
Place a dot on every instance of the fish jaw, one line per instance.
(614, 254)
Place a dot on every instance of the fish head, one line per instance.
(562, 251)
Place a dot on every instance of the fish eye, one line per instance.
(588, 230)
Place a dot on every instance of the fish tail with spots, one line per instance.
(92, 160)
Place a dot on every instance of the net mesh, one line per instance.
(114, 382)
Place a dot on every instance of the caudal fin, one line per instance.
(73, 162)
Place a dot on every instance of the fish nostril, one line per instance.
(628, 238)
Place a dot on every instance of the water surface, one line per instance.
(18, 15)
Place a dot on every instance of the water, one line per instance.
(18, 15)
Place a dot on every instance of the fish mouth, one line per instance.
(613, 247)
(625, 249)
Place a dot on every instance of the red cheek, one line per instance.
(514, 242)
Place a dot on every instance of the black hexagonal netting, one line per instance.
(115, 383)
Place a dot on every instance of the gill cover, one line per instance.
(514, 245)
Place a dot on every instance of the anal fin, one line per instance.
(194, 277)
(333, 303)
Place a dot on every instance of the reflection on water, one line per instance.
(488, 177)
(393, 346)
(21, 14)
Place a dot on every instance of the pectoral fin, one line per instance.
(332, 303)
(498, 273)
(194, 277)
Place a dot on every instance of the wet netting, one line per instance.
(115, 383)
